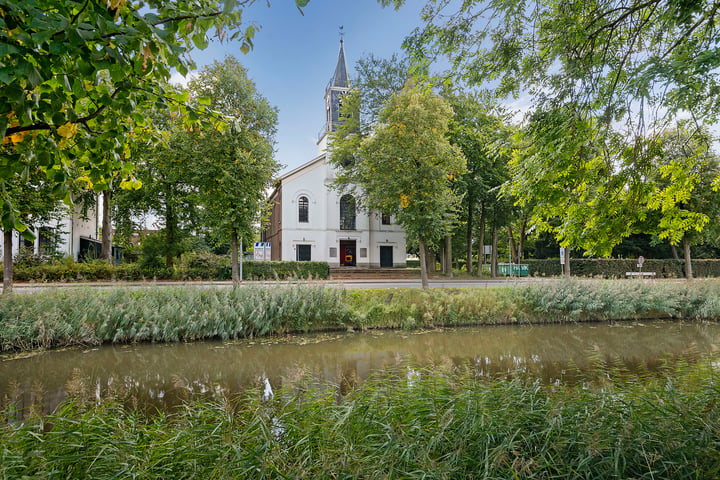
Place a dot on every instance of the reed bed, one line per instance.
(68, 317)
(432, 424)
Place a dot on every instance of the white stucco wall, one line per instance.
(322, 232)
(71, 228)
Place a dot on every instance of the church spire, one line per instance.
(339, 85)
(341, 79)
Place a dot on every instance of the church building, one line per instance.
(312, 222)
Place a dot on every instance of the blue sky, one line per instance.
(295, 56)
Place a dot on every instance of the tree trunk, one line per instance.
(513, 245)
(567, 262)
(521, 239)
(235, 265)
(468, 240)
(107, 228)
(423, 265)
(7, 263)
(674, 252)
(688, 259)
(169, 235)
(448, 256)
(494, 256)
(481, 244)
(430, 260)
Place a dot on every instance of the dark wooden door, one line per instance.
(386, 256)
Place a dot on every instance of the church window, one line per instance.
(303, 210)
(347, 212)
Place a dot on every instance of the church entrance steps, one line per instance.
(372, 273)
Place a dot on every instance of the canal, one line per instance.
(161, 375)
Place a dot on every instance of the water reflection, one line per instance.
(161, 375)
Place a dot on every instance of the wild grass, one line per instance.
(439, 424)
(66, 317)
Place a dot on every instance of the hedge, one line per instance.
(617, 268)
(192, 267)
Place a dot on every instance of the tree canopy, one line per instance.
(406, 166)
(76, 75)
(603, 79)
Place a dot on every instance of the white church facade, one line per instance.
(310, 221)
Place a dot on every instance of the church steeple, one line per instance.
(339, 84)
(341, 79)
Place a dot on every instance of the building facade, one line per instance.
(75, 235)
(311, 222)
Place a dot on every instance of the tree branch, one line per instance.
(47, 126)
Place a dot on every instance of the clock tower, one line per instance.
(337, 87)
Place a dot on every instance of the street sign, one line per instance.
(641, 260)
(261, 251)
(562, 256)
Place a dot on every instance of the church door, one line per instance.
(386, 256)
(348, 253)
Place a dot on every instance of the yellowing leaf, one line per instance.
(87, 181)
(68, 130)
(132, 184)
(404, 201)
(15, 138)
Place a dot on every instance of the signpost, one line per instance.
(641, 260)
(562, 260)
(261, 250)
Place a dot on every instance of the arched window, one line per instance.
(347, 212)
(303, 206)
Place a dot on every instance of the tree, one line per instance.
(166, 172)
(406, 167)
(377, 80)
(615, 59)
(483, 136)
(613, 72)
(681, 201)
(565, 171)
(76, 76)
(235, 167)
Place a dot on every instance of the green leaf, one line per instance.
(28, 235)
(20, 226)
(200, 41)
(7, 49)
(117, 73)
(7, 75)
(229, 6)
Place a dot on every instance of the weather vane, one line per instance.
(342, 34)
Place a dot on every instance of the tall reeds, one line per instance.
(167, 314)
(442, 424)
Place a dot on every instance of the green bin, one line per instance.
(514, 269)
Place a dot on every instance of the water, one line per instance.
(162, 375)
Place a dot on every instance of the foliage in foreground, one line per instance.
(66, 317)
(433, 424)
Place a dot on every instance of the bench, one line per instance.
(639, 274)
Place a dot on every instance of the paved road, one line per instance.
(22, 288)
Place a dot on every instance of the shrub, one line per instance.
(616, 268)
